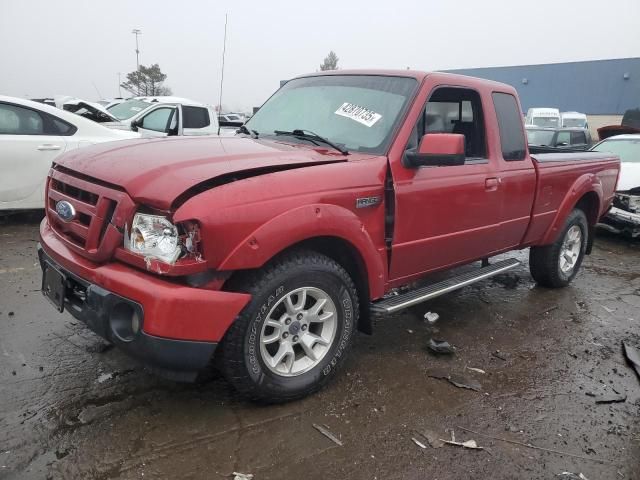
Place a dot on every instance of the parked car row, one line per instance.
(32, 135)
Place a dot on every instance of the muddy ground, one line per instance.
(71, 407)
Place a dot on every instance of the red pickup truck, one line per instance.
(266, 251)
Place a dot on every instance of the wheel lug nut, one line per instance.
(285, 335)
(287, 321)
(304, 327)
(295, 338)
(299, 316)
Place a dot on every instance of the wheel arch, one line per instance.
(585, 194)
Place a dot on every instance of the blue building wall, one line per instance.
(599, 87)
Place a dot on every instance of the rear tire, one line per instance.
(556, 265)
(294, 334)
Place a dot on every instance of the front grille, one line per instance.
(97, 208)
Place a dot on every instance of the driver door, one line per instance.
(160, 122)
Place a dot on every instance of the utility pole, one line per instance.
(119, 86)
(136, 32)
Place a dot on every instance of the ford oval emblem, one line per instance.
(65, 211)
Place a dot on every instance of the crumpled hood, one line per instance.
(156, 171)
(629, 176)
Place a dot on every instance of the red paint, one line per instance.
(443, 216)
(446, 143)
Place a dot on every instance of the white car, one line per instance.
(624, 216)
(32, 135)
(163, 116)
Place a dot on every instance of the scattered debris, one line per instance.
(607, 309)
(549, 310)
(500, 355)
(409, 330)
(528, 445)
(459, 381)
(431, 317)
(11, 314)
(325, 431)
(242, 476)
(468, 444)
(432, 437)
(572, 476)
(611, 398)
(440, 346)
(477, 370)
(104, 377)
(418, 442)
(633, 356)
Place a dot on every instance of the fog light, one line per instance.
(124, 321)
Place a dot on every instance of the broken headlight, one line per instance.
(154, 236)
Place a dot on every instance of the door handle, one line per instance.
(48, 146)
(492, 184)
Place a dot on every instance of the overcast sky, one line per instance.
(51, 47)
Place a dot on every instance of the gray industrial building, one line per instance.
(603, 89)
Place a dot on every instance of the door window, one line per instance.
(158, 120)
(454, 110)
(16, 120)
(512, 139)
(195, 117)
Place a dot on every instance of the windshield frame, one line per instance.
(385, 145)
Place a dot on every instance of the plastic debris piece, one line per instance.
(607, 309)
(242, 476)
(500, 355)
(325, 431)
(572, 476)
(478, 370)
(633, 356)
(468, 444)
(433, 438)
(440, 347)
(611, 398)
(104, 377)
(431, 317)
(457, 380)
(418, 442)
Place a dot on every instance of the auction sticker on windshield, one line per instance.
(359, 114)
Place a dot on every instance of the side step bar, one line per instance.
(399, 302)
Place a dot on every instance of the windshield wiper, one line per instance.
(252, 133)
(309, 135)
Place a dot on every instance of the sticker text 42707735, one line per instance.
(359, 114)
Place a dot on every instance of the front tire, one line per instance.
(556, 265)
(294, 334)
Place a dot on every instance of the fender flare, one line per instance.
(584, 184)
(304, 223)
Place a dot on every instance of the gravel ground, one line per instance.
(71, 407)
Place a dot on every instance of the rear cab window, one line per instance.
(512, 139)
(195, 117)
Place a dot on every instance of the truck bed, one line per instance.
(571, 156)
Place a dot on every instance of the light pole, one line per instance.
(119, 86)
(136, 32)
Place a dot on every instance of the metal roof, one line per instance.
(597, 87)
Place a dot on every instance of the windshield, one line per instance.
(574, 122)
(128, 109)
(545, 121)
(628, 150)
(358, 112)
(540, 137)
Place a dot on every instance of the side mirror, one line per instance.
(136, 124)
(437, 150)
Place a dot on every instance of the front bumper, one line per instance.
(180, 326)
(618, 220)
